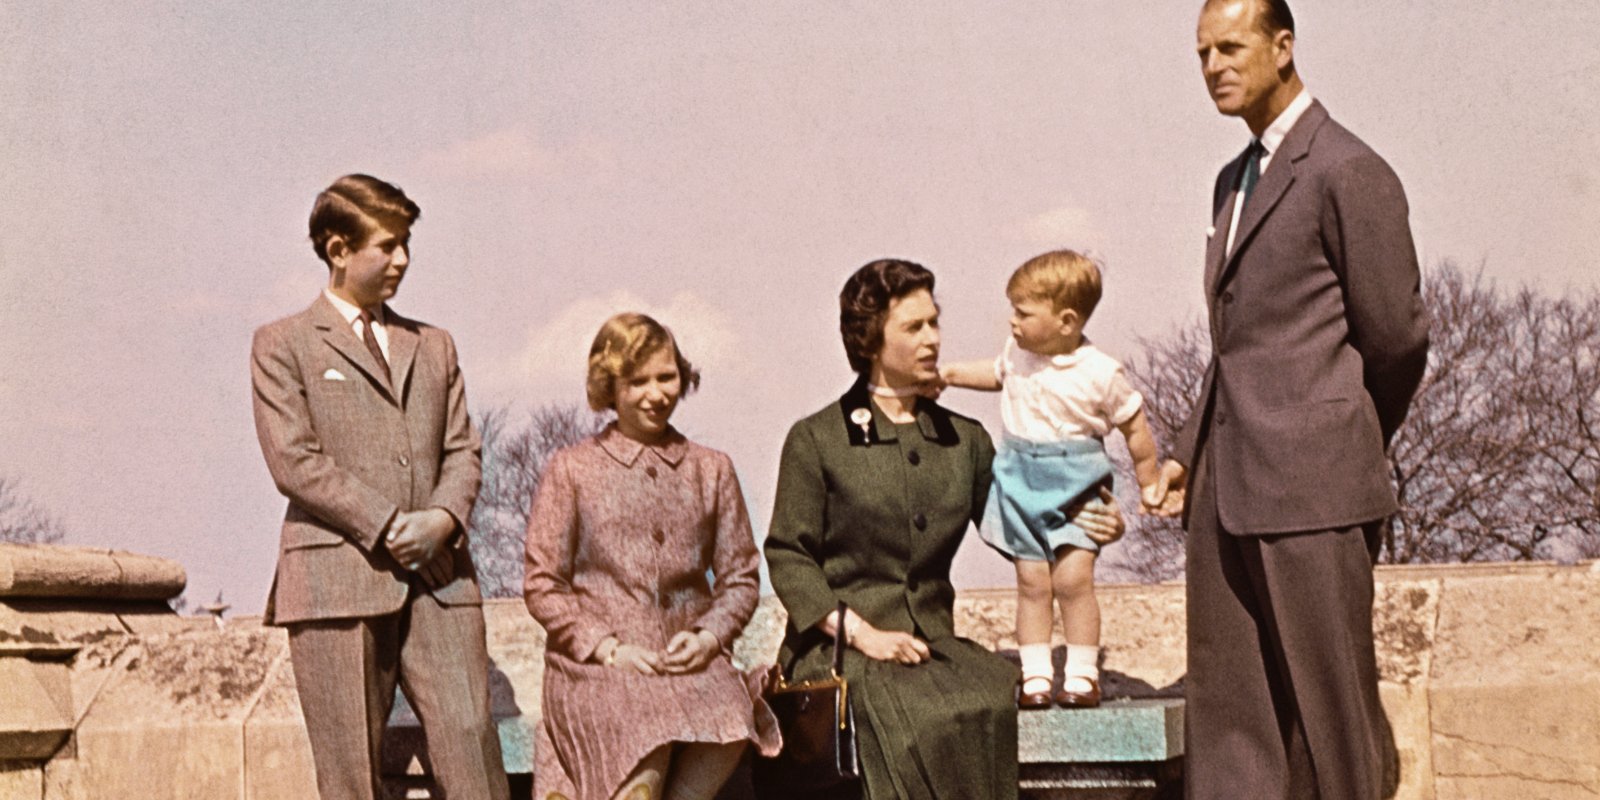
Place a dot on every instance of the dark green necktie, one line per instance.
(1252, 169)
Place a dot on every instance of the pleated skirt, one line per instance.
(942, 730)
(599, 722)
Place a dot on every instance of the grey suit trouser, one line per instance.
(1282, 689)
(346, 671)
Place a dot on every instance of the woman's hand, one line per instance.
(1101, 519)
(888, 645)
(618, 655)
(689, 651)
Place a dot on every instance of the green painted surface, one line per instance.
(1117, 731)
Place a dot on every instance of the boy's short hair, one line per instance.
(1067, 278)
(349, 206)
(624, 342)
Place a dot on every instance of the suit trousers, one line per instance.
(346, 671)
(1282, 689)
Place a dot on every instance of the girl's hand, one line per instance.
(689, 651)
(631, 658)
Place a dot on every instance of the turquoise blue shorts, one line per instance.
(1034, 485)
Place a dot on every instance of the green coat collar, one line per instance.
(874, 427)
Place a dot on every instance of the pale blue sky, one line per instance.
(723, 165)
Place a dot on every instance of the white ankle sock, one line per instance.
(1036, 666)
(1083, 662)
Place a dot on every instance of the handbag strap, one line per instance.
(840, 641)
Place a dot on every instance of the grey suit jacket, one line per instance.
(350, 449)
(1319, 337)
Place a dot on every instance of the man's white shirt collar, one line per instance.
(349, 310)
(1273, 136)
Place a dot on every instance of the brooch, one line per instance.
(863, 418)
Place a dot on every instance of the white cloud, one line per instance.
(1067, 226)
(550, 366)
(512, 152)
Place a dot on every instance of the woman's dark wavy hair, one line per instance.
(864, 305)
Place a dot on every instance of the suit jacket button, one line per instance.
(920, 521)
(1227, 297)
(666, 601)
(405, 462)
(659, 536)
(650, 470)
(1222, 419)
(914, 457)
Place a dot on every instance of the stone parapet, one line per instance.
(1489, 677)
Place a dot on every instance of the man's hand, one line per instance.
(1100, 518)
(440, 571)
(689, 651)
(415, 537)
(1165, 497)
(889, 645)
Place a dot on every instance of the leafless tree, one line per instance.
(1499, 458)
(516, 447)
(24, 521)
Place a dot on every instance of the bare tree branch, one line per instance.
(24, 521)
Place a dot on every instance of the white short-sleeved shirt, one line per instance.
(1082, 394)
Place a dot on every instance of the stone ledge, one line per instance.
(54, 571)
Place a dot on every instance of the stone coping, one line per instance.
(54, 571)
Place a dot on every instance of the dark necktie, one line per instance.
(1252, 169)
(371, 340)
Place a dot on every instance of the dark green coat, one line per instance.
(873, 517)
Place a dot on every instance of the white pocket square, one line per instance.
(1211, 230)
(333, 375)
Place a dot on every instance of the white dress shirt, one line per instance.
(1078, 395)
(352, 315)
(1271, 138)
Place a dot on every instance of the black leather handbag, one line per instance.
(819, 735)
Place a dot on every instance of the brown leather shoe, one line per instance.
(1033, 700)
(1089, 699)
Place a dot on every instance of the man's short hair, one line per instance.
(1066, 278)
(349, 207)
(1271, 15)
(624, 342)
(864, 305)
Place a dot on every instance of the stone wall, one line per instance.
(1490, 675)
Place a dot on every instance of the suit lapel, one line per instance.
(338, 335)
(1280, 175)
(1217, 245)
(402, 349)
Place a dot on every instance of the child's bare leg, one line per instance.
(1035, 618)
(1072, 579)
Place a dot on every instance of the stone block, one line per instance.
(21, 781)
(168, 722)
(35, 707)
(1515, 686)
(277, 752)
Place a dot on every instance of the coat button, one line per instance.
(920, 521)
(1227, 297)
(1222, 419)
(914, 457)
(666, 601)
(405, 462)
(659, 536)
(650, 470)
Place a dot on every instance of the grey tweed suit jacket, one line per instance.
(350, 449)
(1319, 336)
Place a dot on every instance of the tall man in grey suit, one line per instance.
(1319, 340)
(362, 418)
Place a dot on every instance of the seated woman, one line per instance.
(874, 494)
(640, 698)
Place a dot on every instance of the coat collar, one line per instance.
(403, 338)
(626, 451)
(1280, 175)
(867, 425)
